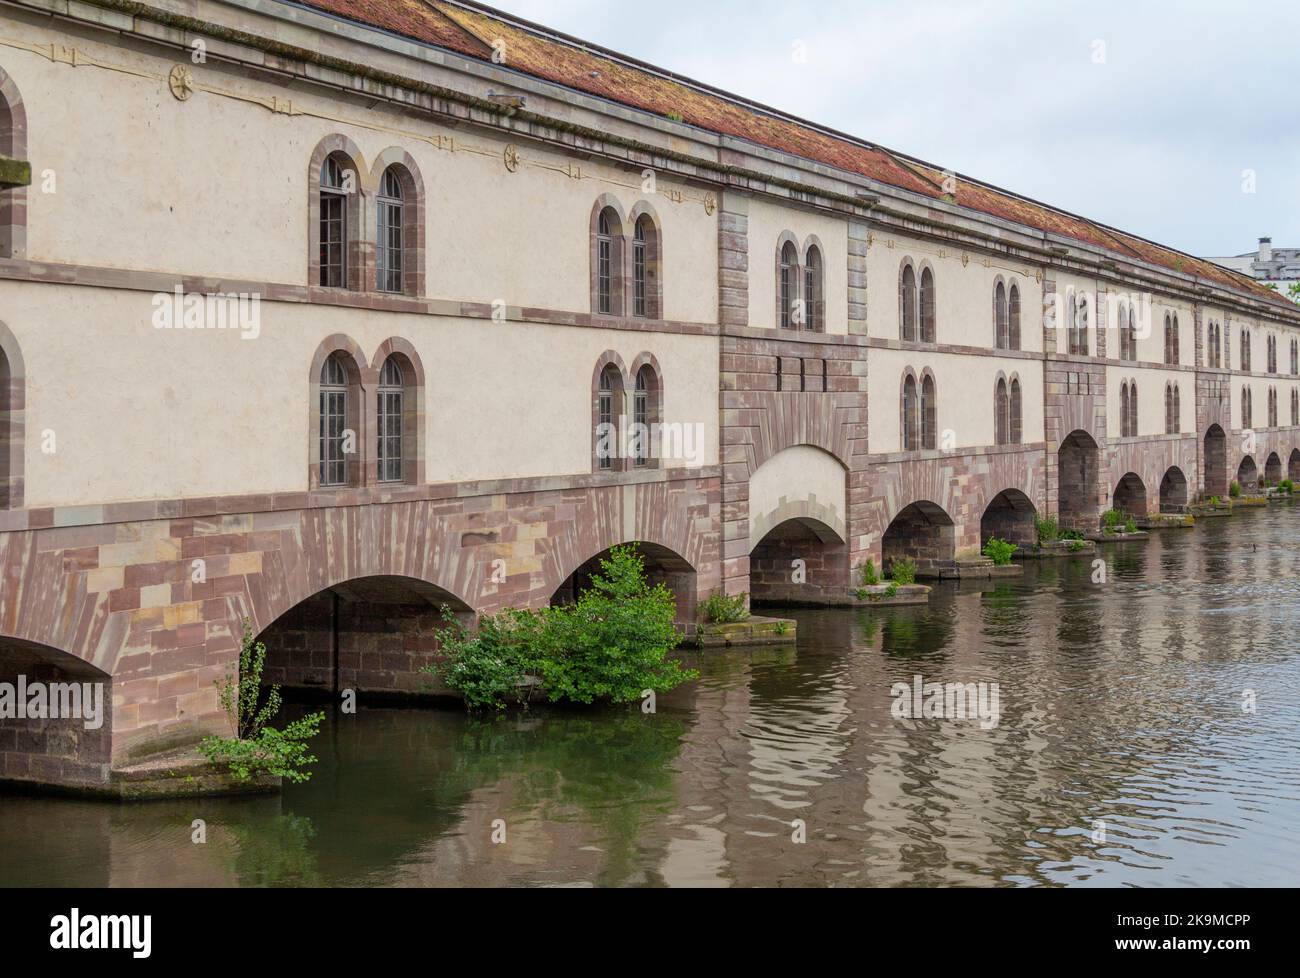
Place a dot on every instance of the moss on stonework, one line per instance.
(15, 173)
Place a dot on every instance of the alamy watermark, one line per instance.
(214, 310)
(53, 701)
(946, 701)
(656, 440)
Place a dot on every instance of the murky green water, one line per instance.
(1123, 757)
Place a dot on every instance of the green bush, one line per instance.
(999, 551)
(1072, 535)
(256, 748)
(719, 608)
(1214, 501)
(892, 589)
(867, 573)
(612, 645)
(1048, 529)
(1286, 486)
(1130, 526)
(1112, 519)
(1234, 489)
(1076, 544)
(902, 570)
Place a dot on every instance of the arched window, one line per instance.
(1072, 325)
(1133, 409)
(609, 405)
(928, 410)
(1295, 407)
(1015, 433)
(334, 429)
(928, 332)
(907, 303)
(388, 452)
(911, 418)
(1001, 413)
(1245, 349)
(646, 409)
(1001, 319)
(788, 285)
(391, 236)
(814, 307)
(14, 184)
(1013, 332)
(1272, 354)
(1178, 412)
(1272, 407)
(12, 385)
(1125, 335)
(1132, 334)
(1295, 357)
(336, 183)
(1245, 407)
(1079, 326)
(1169, 408)
(1123, 409)
(639, 266)
(607, 235)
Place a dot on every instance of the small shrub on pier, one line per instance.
(1130, 525)
(1234, 489)
(720, 608)
(902, 570)
(1285, 486)
(867, 573)
(1111, 520)
(999, 551)
(1048, 529)
(256, 748)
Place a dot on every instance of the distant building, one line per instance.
(1278, 267)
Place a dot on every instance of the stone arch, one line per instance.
(1173, 491)
(1216, 461)
(13, 396)
(413, 215)
(358, 270)
(663, 565)
(1010, 516)
(1130, 495)
(1248, 474)
(654, 259)
(358, 375)
(1078, 471)
(13, 144)
(921, 531)
(413, 404)
(1272, 469)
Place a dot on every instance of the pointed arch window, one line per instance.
(907, 303)
(1295, 407)
(1001, 413)
(605, 262)
(640, 243)
(911, 418)
(1013, 317)
(788, 285)
(1016, 427)
(928, 330)
(1001, 319)
(814, 307)
(928, 413)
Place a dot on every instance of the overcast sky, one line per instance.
(1141, 115)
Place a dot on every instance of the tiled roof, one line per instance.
(471, 30)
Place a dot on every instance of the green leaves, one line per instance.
(999, 551)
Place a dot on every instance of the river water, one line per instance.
(1149, 734)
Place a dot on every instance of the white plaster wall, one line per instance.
(802, 472)
(965, 388)
(767, 220)
(1151, 398)
(141, 413)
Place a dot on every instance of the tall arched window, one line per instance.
(1272, 407)
(929, 413)
(639, 266)
(391, 233)
(1001, 413)
(1178, 412)
(1013, 329)
(911, 418)
(1245, 407)
(335, 184)
(388, 451)
(641, 417)
(1015, 434)
(1295, 407)
(334, 422)
(1132, 334)
(1272, 354)
(1133, 409)
(1169, 409)
(1125, 335)
(1079, 326)
(1295, 357)
(789, 270)
(1001, 319)
(608, 408)
(606, 261)
(1245, 349)
(928, 331)
(814, 306)
(1123, 409)
(12, 428)
(907, 303)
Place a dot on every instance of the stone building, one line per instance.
(1276, 268)
(325, 316)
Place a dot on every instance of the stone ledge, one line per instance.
(1056, 548)
(754, 630)
(179, 774)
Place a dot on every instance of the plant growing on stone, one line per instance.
(999, 551)
(1214, 501)
(1112, 519)
(902, 570)
(1048, 529)
(1234, 489)
(1130, 525)
(1076, 544)
(1285, 486)
(720, 608)
(257, 748)
(867, 573)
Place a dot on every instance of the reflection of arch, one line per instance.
(374, 632)
(1130, 496)
(1173, 491)
(1248, 475)
(1272, 469)
(1216, 461)
(1077, 471)
(921, 532)
(1010, 516)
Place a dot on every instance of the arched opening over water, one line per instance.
(373, 633)
(1272, 469)
(1216, 462)
(922, 532)
(1248, 475)
(71, 738)
(1077, 482)
(1130, 495)
(1173, 491)
(662, 566)
(800, 560)
(1010, 516)
(1293, 466)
